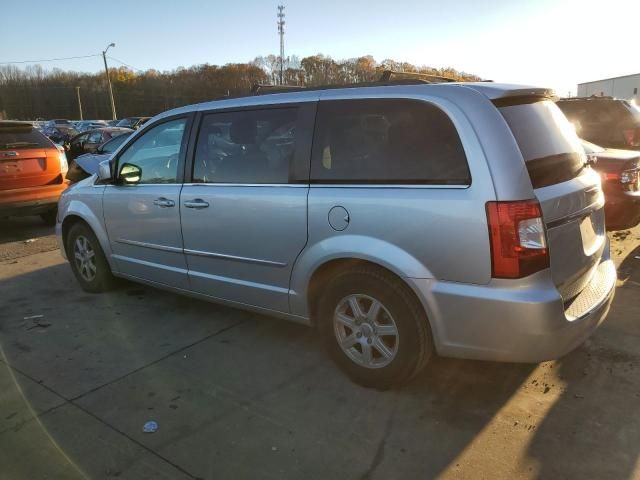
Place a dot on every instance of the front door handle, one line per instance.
(196, 203)
(164, 202)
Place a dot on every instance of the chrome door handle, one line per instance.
(164, 202)
(197, 203)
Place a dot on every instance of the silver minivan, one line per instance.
(401, 220)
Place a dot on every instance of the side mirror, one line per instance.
(104, 171)
(130, 174)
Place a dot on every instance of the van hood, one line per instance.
(89, 162)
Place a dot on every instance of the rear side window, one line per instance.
(548, 142)
(22, 137)
(247, 146)
(386, 141)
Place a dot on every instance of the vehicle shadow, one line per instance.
(90, 340)
(593, 428)
(458, 419)
(15, 229)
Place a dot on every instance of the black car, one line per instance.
(87, 164)
(89, 141)
(133, 122)
(60, 134)
(620, 173)
(606, 121)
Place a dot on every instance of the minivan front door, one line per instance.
(244, 217)
(141, 211)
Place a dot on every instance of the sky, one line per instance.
(547, 43)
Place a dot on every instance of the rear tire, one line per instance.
(49, 217)
(358, 314)
(87, 260)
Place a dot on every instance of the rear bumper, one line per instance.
(528, 323)
(30, 201)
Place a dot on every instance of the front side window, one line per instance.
(249, 146)
(386, 141)
(156, 153)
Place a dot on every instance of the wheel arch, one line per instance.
(77, 212)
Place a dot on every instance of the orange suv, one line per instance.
(32, 171)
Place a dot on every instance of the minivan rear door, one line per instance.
(568, 190)
(244, 216)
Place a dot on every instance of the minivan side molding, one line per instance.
(223, 256)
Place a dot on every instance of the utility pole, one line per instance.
(281, 33)
(106, 70)
(79, 102)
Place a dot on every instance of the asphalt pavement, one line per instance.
(239, 395)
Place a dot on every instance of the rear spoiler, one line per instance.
(523, 96)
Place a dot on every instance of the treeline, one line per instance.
(34, 92)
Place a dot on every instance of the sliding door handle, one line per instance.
(196, 203)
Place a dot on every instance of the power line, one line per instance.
(49, 59)
(125, 64)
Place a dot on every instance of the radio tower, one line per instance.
(281, 33)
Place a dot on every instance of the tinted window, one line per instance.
(157, 152)
(22, 137)
(548, 142)
(386, 141)
(95, 137)
(113, 144)
(79, 139)
(255, 146)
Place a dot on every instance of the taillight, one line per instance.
(609, 176)
(518, 238)
(62, 158)
(632, 137)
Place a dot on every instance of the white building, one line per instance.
(627, 87)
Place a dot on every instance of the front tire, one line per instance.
(88, 263)
(374, 327)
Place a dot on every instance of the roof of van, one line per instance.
(491, 90)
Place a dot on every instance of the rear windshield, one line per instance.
(548, 142)
(22, 137)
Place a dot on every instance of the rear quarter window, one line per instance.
(386, 141)
(548, 142)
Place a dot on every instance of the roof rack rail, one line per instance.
(260, 88)
(426, 77)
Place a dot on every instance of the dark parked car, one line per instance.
(133, 122)
(620, 173)
(606, 121)
(112, 123)
(87, 164)
(89, 141)
(60, 134)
